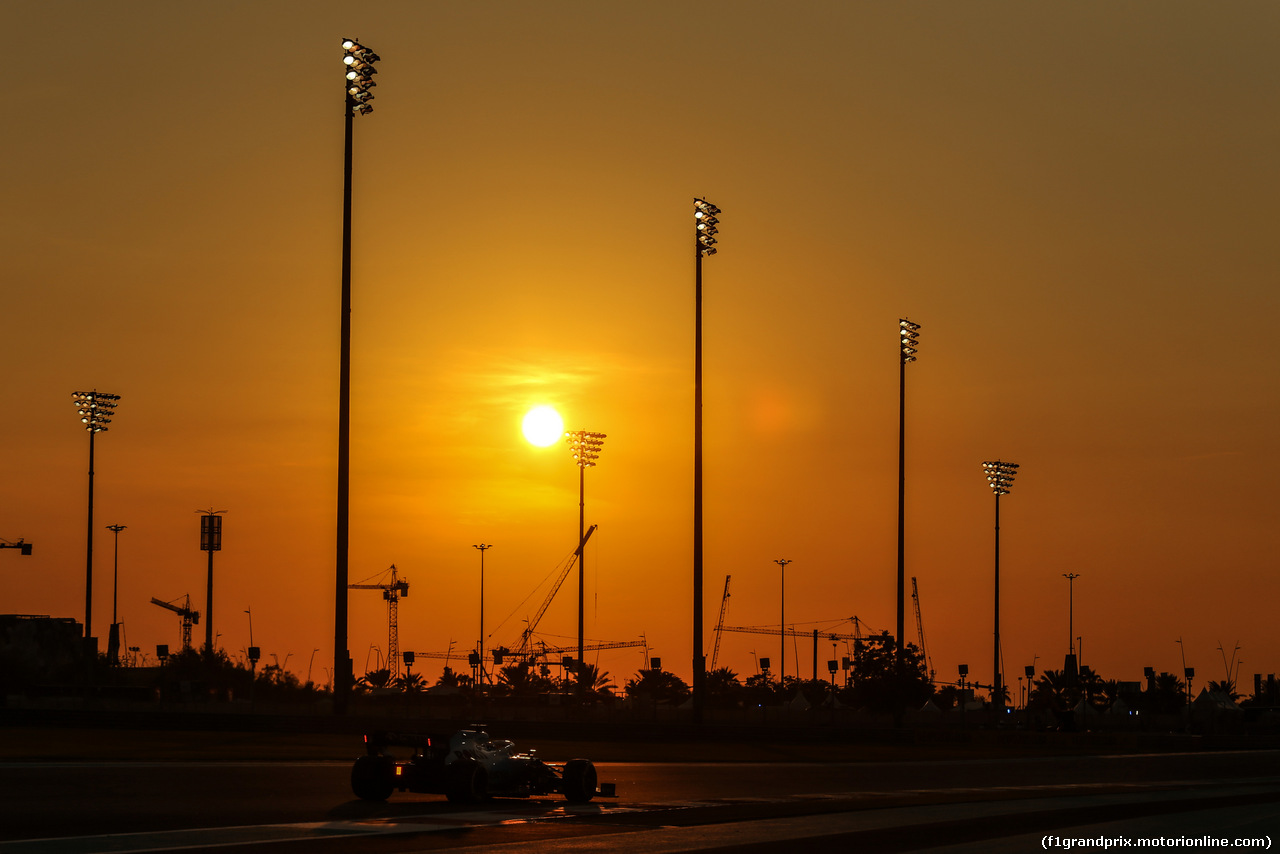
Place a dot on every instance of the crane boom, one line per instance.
(533, 624)
(724, 607)
(798, 633)
(189, 617)
(915, 597)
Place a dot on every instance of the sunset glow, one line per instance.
(1073, 202)
(542, 426)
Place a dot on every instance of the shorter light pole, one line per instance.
(782, 618)
(1072, 665)
(480, 646)
(113, 642)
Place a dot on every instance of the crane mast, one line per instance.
(391, 592)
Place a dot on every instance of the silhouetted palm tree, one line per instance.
(374, 679)
(599, 684)
(660, 686)
(1226, 686)
(410, 683)
(723, 687)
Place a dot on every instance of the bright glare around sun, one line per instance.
(543, 426)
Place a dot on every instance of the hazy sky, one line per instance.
(1077, 202)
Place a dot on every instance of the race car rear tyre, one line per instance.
(579, 781)
(372, 778)
(466, 782)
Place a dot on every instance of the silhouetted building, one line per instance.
(38, 651)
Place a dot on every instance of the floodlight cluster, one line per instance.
(1000, 475)
(909, 334)
(359, 61)
(704, 218)
(585, 446)
(95, 409)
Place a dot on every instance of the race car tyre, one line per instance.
(579, 781)
(372, 778)
(466, 782)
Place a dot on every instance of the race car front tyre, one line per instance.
(466, 782)
(579, 781)
(372, 778)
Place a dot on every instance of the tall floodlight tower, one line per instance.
(908, 335)
(705, 218)
(1000, 478)
(210, 541)
(586, 447)
(358, 71)
(95, 409)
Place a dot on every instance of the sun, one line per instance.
(543, 426)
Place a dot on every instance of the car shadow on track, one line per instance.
(359, 810)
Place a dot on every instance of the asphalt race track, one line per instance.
(954, 805)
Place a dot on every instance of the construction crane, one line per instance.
(189, 617)
(548, 651)
(526, 634)
(724, 608)
(915, 597)
(391, 592)
(818, 634)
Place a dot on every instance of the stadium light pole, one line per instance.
(705, 218)
(908, 333)
(1000, 478)
(586, 447)
(358, 62)
(480, 646)
(95, 409)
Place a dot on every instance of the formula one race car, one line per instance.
(468, 767)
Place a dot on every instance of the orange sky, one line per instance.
(1076, 201)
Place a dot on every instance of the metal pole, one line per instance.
(115, 575)
(902, 481)
(997, 697)
(88, 570)
(208, 609)
(699, 687)
(1071, 633)
(341, 656)
(582, 559)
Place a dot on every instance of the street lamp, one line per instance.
(95, 409)
(358, 62)
(480, 646)
(908, 333)
(1000, 478)
(113, 640)
(1070, 667)
(782, 620)
(586, 447)
(705, 218)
